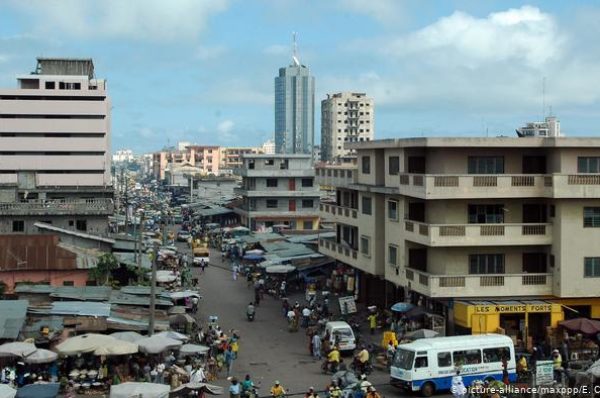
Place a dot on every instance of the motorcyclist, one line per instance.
(277, 391)
(361, 359)
(333, 359)
(250, 310)
(334, 390)
(247, 386)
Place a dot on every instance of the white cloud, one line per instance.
(277, 49)
(206, 53)
(143, 20)
(225, 130)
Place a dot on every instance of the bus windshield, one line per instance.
(404, 359)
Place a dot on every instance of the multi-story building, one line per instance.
(122, 156)
(345, 117)
(491, 232)
(278, 190)
(55, 149)
(294, 109)
(231, 157)
(548, 128)
(197, 159)
(268, 147)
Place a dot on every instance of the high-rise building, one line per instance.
(488, 233)
(55, 138)
(294, 109)
(278, 190)
(345, 117)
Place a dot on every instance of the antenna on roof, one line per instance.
(543, 98)
(295, 50)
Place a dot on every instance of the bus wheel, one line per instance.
(427, 389)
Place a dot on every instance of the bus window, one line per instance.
(491, 355)
(467, 357)
(444, 359)
(421, 362)
(404, 359)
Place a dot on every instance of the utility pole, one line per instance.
(126, 207)
(139, 247)
(153, 291)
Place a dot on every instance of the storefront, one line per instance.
(524, 320)
(580, 307)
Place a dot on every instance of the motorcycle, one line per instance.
(251, 393)
(360, 368)
(250, 313)
(329, 367)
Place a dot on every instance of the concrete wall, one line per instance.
(95, 224)
(54, 277)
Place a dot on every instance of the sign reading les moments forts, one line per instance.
(512, 308)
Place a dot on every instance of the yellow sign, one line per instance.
(512, 308)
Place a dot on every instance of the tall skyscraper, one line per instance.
(345, 117)
(294, 108)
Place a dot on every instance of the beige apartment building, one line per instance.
(231, 157)
(194, 159)
(489, 232)
(345, 117)
(278, 190)
(55, 149)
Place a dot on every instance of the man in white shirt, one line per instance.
(305, 316)
(197, 375)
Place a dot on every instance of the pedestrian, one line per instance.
(311, 393)
(235, 272)
(373, 393)
(458, 388)
(234, 389)
(195, 304)
(316, 346)
(305, 316)
(257, 296)
(285, 306)
(372, 322)
(229, 358)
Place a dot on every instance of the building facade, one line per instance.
(55, 159)
(231, 157)
(278, 190)
(345, 117)
(294, 109)
(449, 222)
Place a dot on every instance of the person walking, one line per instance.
(234, 389)
(316, 346)
(229, 358)
(235, 272)
(305, 316)
(458, 388)
(372, 322)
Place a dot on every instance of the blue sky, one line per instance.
(202, 70)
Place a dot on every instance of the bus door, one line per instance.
(422, 369)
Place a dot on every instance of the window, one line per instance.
(552, 211)
(18, 226)
(307, 203)
(307, 182)
(467, 357)
(491, 355)
(421, 362)
(269, 162)
(68, 283)
(252, 204)
(588, 164)
(393, 254)
(444, 359)
(393, 165)
(486, 165)
(365, 242)
(284, 165)
(271, 182)
(591, 267)
(81, 225)
(271, 203)
(366, 205)
(591, 217)
(251, 164)
(366, 164)
(486, 263)
(308, 225)
(50, 85)
(486, 214)
(71, 223)
(393, 210)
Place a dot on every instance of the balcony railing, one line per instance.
(338, 210)
(339, 248)
(58, 207)
(480, 285)
(479, 234)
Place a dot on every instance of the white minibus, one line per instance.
(428, 365)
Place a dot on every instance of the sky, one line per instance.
(203, 70)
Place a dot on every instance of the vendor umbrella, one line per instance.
(402, 307)
(131, 337)
(255, 251)
(253, 257)
(185, 389)
(280, 269)
(17, 349)
(119, 347)
(192, 349)
(415, 312)
(41, 356)
(46, 390)
(174, 335)
(143, 390)
(157, 344)
(582, 325)
(421, 334)
(7, 392)
(99, 344)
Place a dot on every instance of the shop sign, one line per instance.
(511, 308)
(544, 373)
(347, 305)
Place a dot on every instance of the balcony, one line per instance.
(339, 251)
(471, 186)
(58, 207)
(507, 285)
(576, 186)
(336, 176)
(339, 214)
(447, 235)
(277, 193)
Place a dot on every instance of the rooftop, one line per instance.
(276, 156)
(65, 66)
(458, 142)
(12, 317)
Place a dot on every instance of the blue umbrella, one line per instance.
(402, 307)
(49, 390)
(253, 257)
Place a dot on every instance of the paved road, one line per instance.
(268, 352)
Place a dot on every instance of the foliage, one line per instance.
(107, 262)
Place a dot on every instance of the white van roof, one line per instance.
(337, 325)
(454, 342)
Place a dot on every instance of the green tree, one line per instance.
(106, 264)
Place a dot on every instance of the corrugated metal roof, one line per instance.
(33, 326)
(34, 289)
(309, 238)
(85, 293)
(139, 300)
(130, 260)
(12, 317)
(143, 290)
(212, 211)
(73, 308)
(84, 235)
